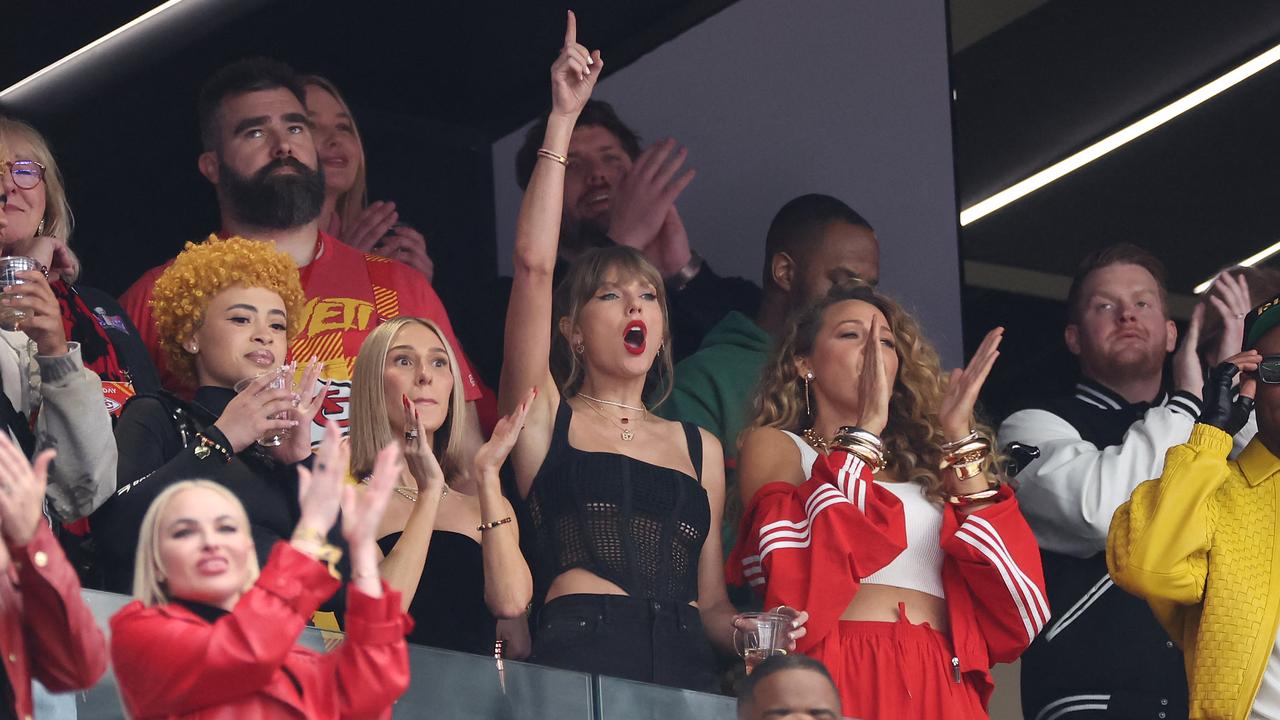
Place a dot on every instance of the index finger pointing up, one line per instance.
(571, 30)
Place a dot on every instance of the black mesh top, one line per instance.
(635, 524)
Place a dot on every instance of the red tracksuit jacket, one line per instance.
(808, 546)
(170, 663)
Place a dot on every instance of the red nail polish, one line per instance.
(405, 400)
(535, 392)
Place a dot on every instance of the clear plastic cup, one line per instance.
(9, 269)
(767, 634)
(281, 378)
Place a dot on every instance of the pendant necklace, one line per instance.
(627, 433)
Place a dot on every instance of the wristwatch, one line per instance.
(689, 271)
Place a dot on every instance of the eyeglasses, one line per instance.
(1269, 369)
(26, 174)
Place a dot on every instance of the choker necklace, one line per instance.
(627, 433)
(816, 441)
(641, 409)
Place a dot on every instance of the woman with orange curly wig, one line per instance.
(225, 311)
(871, 503)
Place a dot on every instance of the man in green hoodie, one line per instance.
(814, 242)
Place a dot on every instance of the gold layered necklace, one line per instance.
(816, 441)
(628, 434)
(408, 492)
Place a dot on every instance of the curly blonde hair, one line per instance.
(913, 436)
(201, 271)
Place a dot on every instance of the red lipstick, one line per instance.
(633, 337)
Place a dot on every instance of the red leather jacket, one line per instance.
(170, 663)
(48, 631)
(808, 546)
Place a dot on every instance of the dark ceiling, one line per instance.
(461, 74)
(1202, 190)
(432, 85)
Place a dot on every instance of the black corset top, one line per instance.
(638, 525)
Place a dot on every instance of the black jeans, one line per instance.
(651, 641)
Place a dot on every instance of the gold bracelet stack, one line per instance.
(966, 456)
(862, 444)
(974, 497)
(555, 156)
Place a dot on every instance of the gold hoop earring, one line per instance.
(807, 410)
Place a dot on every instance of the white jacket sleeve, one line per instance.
(73, 418)
(1070, 492)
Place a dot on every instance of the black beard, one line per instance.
(273, 202)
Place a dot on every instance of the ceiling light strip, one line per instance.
(1250, 261)
(1115, 140)
(153, 12)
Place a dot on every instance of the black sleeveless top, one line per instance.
(448, 610)
(635, 524)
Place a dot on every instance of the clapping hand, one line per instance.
(320, 489)
(574, 73)
(492, 454)
(874, 387)
(963, 386)
(421, 461)
(642, 207)
(22, 485)
(406, 245)
(1230, 297)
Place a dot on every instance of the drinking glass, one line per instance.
(281, 378)
(9, 269)
(767, 634)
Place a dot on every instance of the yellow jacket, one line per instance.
(1207, 517)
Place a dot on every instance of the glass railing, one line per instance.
(458, 686)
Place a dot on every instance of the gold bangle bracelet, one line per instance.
(971, 498)
(973, 456)
(491, 525)
(953, 445)
(557, 157)
(967, 471)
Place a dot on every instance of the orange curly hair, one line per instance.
(201, 271)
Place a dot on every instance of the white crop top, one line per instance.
(919, 567)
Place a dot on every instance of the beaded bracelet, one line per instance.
(491, 525)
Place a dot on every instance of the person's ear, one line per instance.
(570, 334)
(208, 164)
(1171, 336)
(803, 369)
(782, 270)
(1071, 335)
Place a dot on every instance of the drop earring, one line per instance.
(579, 348)
(40, 228)
(807, 410)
